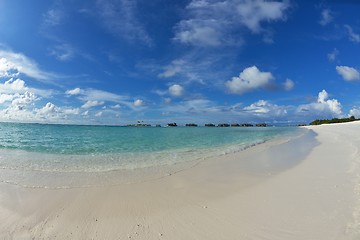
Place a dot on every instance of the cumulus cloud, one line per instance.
(355, 111)
(176, 90)
(326, 17)
(323, 107)
(354, 37)
(13, 86)
(7, 69)
(6, 98)
(49, 108)
(252, 13)
(249, 79)
(213, 23)
(21, 101)
(11, 64)
(52, 113)
(139, 103)
(348, 73)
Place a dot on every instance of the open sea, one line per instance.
(61, 156)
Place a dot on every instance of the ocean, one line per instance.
(61, 156)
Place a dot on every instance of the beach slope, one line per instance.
(307, 188)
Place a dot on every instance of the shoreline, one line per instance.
(298, 189)
(42, 173)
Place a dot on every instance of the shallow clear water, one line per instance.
(42, 151)
(69, 139)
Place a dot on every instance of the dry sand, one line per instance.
(304, 189)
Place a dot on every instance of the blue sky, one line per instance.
(120, 61)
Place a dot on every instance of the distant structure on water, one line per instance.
(174, 124)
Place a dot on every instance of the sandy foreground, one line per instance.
(307, 188)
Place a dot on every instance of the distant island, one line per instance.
(334, 120)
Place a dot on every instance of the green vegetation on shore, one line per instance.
(334, 120)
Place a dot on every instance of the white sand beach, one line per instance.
(300, 190)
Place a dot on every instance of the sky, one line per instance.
(204, 61)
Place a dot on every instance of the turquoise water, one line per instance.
(43, 151)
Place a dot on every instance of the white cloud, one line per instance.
(18, 86)
(21, 101)
(139, 103)
(354, 37)
(199, 33)
(176, 90)
(100, 95)
(98, 114)
(192, 67)
(7, 69)
(53, 17)
(6, 98)
(348, 73)
(194, 106)
(355, 111)
(252, 13)
(97, 97)
(213, 23)
(171, 70)
(333, 55)
(119, 17)
(265, 109)
(13, 86)
(117, 106)
(288, 84)
(49, 108)
(249, 79)
(75, 91)
(12, 64)
(326, 17)
(71, 111)
(323, 108)
(62, 52)
(333, 104)
(167, 100)
(92, 103)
